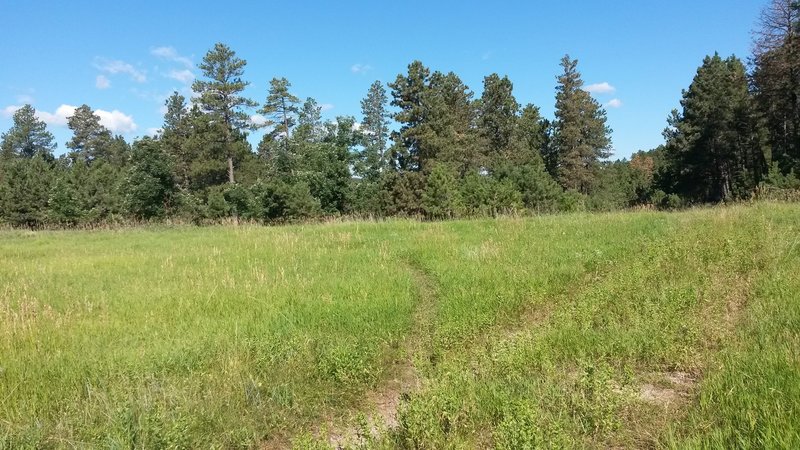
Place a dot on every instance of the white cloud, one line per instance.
(486, 55)
(170, 54)
(117, 66)
(360, 68)
(326, 107)
(184, 76)
(258, 120)
(58, 118)
(600, 88)
(153, 132)
(102, 82)
(116, 121)
(9, 110)
(614, 103)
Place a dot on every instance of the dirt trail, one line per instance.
(381, 405)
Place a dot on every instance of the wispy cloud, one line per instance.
(486, 55)
(153, 132)
(116, 121)
(9, 110)
(360, 68)
(326, 107)
(25, 99)
(170, 54)
(614, 103)
(184, 76)
(102, 82)
(117, 66)
(600, 88)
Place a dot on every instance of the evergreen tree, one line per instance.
(441, 198)
(90, 140)
(220, 95)
(281, 109)
(531, 134)
(25, 190)
(373, 160)
(715, 148)
(175, 133)
(581, 137)
(407, 94)
(497, 118)
(776, 78)
(149, 185)
(447, 135)
(27, 137)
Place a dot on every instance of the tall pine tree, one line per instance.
(715, 145)
(581, 137)
(220, 95)
(374, 129)
(27, 137)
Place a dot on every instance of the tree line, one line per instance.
(424, 146)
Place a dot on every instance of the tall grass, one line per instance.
(623, 329)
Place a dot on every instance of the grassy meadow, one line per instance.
(634, 329)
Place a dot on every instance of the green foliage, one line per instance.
(408, 92)
(150, 184)
(25, 190)
(404, 192)
(220, 96)
(451, 155)
(374, 132)
(538, 191)
(90, 140)
(581, 137)
(281, 109)
(441, 198)
(28, 136)
(497, 118)
(65, 207)
(714, 146)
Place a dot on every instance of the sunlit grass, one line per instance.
(567, 331)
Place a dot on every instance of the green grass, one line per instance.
(636, 329)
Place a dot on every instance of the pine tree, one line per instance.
(373, 160)
(27, 137)
(149, 184)
(309, 121)
(281, 108)
(174, 135)
(25, 190)
(447, 135)
(581, 137)
(531, 132)
(776, 78)
(715, 147)
(497, 120)
(407, 94)
(220, 95)
(90, 140)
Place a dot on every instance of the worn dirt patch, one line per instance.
(379, 411)
(668, 389)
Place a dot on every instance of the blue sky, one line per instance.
(124, 58)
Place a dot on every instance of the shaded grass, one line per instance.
(543, 332)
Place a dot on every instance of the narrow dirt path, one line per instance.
(378, 413)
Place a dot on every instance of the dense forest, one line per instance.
(425, 146)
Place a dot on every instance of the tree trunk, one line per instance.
(230, 171)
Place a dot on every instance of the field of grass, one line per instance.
(640, 329)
